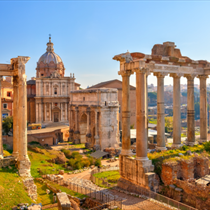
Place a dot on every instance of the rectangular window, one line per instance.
(8, 94)
(4, 106)
(55, 91)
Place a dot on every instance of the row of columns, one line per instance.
(141, 111)
(88, 133)
(41, 111)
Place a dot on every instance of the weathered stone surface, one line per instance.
(7, 161)
(63, 201)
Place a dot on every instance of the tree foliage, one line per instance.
(7, 124)
(168, 124)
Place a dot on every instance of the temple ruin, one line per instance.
(164, 60)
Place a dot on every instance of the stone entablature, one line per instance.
(94, 117)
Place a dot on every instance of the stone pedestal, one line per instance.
(71, 135)
(136, 173)
(76, 137)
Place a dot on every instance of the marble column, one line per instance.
(50, 111)
(61, 107)
(96, 128)
(40, 113)
(15, 118)
(66, 109)
(1, 141)
(88, 120)
(190, 110)
(37, 112)
(203, 108)
(141, 115)
(126, 142)
(76, 132)
(45, 111)
(176, 111)
(161, 144)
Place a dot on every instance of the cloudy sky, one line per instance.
(87, 34)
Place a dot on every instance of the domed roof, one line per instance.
(50, 55)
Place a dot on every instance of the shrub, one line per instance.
(67, 153)
(207, 146)
(76, 155)
(98, 162)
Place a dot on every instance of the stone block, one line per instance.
(63, 201)
(178, 189)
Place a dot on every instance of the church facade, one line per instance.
(51, 99)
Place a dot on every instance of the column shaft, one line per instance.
(126, 143)
(160, 113)
(176, 112)
(203, 109)
(22, 119)
(50, 111)
(66, 111)
(45, 111)
(141, 116)
(190, 111)
(15, 118)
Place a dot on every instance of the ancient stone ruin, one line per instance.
(164, 60)
(16, 70)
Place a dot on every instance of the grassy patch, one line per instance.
(12, 190)
(111, 176)
(40, 161)
(76, 146)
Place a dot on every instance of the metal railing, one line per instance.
(110, 201)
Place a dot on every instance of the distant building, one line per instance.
(48, 93)
(118, 85)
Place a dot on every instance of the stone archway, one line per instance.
(83, 128)
(56, 114)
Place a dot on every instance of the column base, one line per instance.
(190, 143)
(176, 146)
(24, 168)
(15, 155)
(202, 140)
(161, 148)
(126, 152)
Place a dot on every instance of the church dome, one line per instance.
(50, 55)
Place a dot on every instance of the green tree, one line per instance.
(152, 96)
(168, 124)
(7, 124)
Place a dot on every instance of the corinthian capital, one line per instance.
(125, 73)
(160, 74)
(176, 75)
(190, 76)
(19, 64)
(202, 76)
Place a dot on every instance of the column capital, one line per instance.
(142, 71)
(202, 76)
(125, 73)
(160, 74)
(190, 76)
(176, 75)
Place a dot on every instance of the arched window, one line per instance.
(55, 91)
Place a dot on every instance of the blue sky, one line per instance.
(87, 34)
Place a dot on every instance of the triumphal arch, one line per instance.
(17, 70)
(165, 59)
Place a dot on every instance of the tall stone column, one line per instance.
(161, 144)
(24, 162)
(66, 111)
(96, 137)
(88, 133)
(126, 142)
(40, 113)
(61, 106)
(141, 115)
(190, 110)
(71, 131)
(15, 118)
(45, 112)
(176, 111)
(50, 111)
(76, 132)
(203, 108)
(37, 112)
(1, 141)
